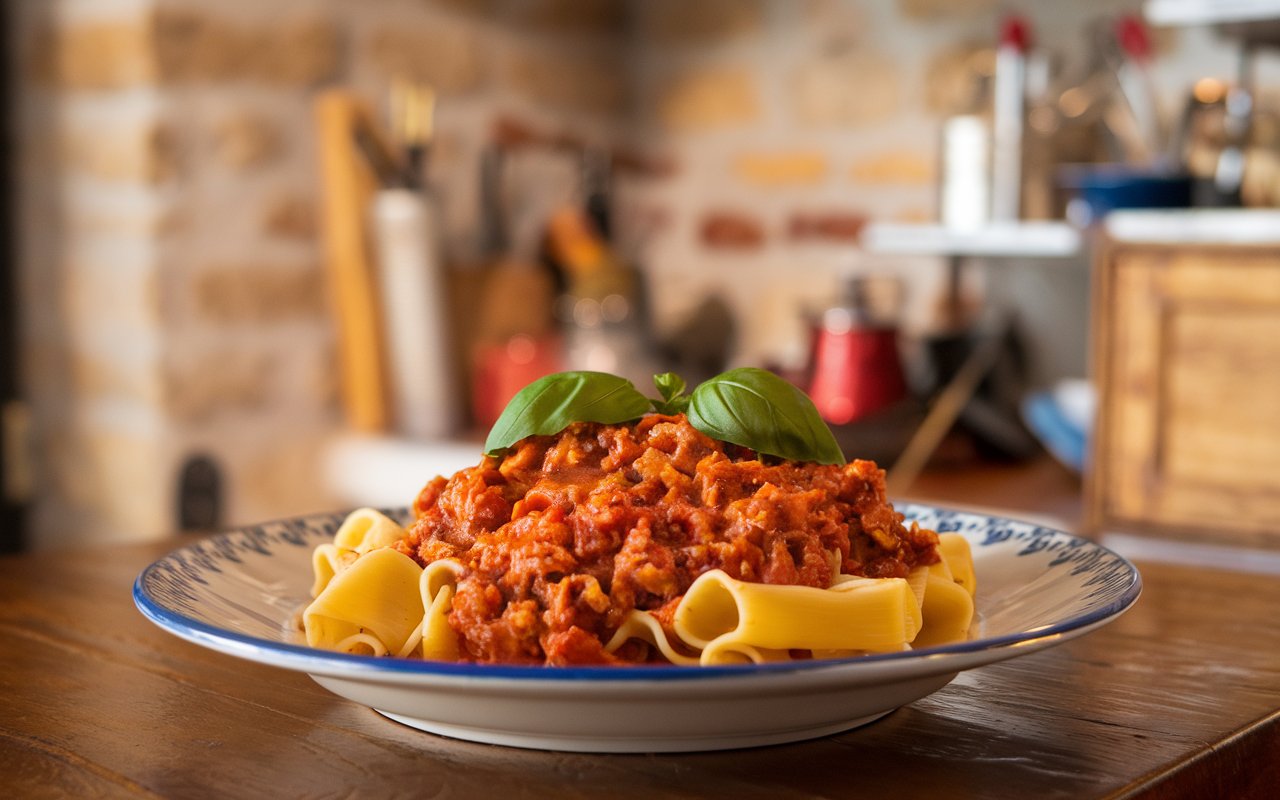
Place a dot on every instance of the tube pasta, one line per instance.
(436, 587)
(947, 611)
(373, 605)
(918, 580)
(363, 530)
(854, 615)
(732, 621)
(371, 598)
(328, 560)
(947, 592)
(958, 557)
(366, 529)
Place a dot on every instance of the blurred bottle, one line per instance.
(1132, 59)
(601, 309)
(514, 340)
(411, 279)
(964, 201)
(1008, 117)
(412, 286)
(966, 195)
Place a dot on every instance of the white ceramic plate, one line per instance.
(238, 593)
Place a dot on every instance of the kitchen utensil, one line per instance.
(856, 366)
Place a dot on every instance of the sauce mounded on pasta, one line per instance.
(565, 535)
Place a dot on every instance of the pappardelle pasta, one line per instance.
(639, 543)
(378, 601)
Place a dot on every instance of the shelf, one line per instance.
(998, 240)
(1250, 22)
(386, 472)
(1201, 226)
(1209, 12)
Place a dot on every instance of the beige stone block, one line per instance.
(98, 221)
(96, 298)
(929, 9)
(449, 58)
(290, 216)
(258, 294)
(681, 22)
(854, 87)
(173, 219)
(301, 52)
(93, 55)
(903, 167)
(835, 22)
(566, 80)
(132, 483)
(180, 44)
(192, 46)
(145, 152)
(285, 479)
(321, 381)
(714, 97)
(954, 78)
(574, 17)
(199, 386)
(117, 476)
(104, 376)
(781, 169)
(245, 140)
(313, 380)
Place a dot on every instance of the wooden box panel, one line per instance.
(1187, 363)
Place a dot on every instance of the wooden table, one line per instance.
(1179, 698)
(1040, 490)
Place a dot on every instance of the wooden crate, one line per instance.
(1187, 362)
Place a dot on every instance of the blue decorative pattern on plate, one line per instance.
(240, 593)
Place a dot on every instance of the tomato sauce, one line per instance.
(564, 535)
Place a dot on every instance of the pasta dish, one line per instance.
(640, 542)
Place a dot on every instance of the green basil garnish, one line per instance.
(671, 387)
(757, 409)
(747, 406)
(549, 404)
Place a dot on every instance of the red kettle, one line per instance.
(856, 367)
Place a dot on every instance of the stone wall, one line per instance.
(172, 286)
(172, 292)
(796, 122)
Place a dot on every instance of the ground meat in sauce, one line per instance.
(566, 534)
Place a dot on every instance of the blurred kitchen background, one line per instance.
(269, 258)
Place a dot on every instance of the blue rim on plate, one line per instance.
(169, 593)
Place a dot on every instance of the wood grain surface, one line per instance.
(1186, 340)
(1178, 698)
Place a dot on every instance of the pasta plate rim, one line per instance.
(956, 656)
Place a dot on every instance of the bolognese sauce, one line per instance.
(564, 535)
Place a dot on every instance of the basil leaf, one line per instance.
(549, 404)
(669, 384)
(757, 409)
(671, 387)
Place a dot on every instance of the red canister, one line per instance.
(857, 369)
